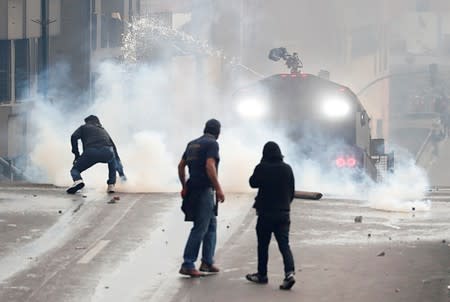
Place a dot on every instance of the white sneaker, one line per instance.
(110, 189)
(77, 185)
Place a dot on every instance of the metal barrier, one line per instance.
(9, 171)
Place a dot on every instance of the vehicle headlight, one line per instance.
(335, 107)
(252, 107)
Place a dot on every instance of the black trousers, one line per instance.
(279, 226)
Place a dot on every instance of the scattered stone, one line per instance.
(116, 197)
(228, 226)
(358, 219)
(163, 230)
(60, 212)
(34, 195)
(369, 235)
(413, 208)
(106, 287)
(84, 196)
(444, 241)
(397, 290)
(381, 254)
(112, 201)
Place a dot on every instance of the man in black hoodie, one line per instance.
(98, 147)
(275, 182)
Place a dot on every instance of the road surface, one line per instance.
(57, 247)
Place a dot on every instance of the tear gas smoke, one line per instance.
(151, 112)
(404, 190)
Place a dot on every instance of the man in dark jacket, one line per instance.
(98, 147)
(202, 158)
(275, 182)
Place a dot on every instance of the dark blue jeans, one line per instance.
(203, 232)
(92, 156)
(278, 224)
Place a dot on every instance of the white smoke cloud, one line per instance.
(152, 111)
(404, 190)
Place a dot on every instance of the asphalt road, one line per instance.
(57, 247)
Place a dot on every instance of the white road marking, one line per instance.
(93, 251)
(391, 226)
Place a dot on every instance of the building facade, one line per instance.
(42, 39)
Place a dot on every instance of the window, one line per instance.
(22, 63)
(5, 80)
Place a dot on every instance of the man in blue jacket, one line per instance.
(202, 158)
(274, 180)
(98, 147)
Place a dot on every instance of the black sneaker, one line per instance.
(288, 282)
(77, 185)
(257, 278)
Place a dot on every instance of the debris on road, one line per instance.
(308, 195)
(358, 219)
(381, 254)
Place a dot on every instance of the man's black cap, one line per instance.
(212, 126)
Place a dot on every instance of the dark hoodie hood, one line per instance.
(93, 119)
(272, 152)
